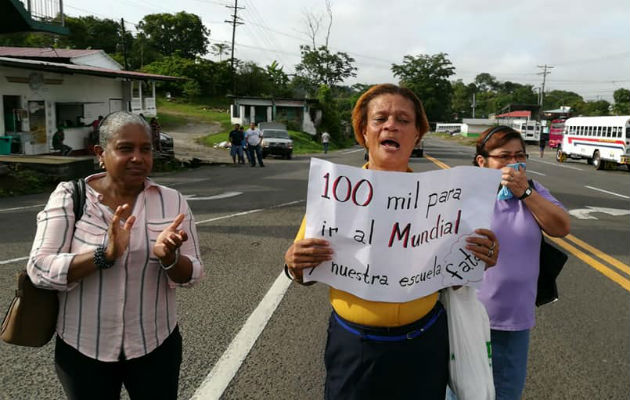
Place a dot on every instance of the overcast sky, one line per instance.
(587, 42)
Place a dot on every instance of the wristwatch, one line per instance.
(100, 260)
(526, 193)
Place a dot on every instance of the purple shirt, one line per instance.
(509, 289)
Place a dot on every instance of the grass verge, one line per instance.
(24, 181)
(178, 112)
(303, 143)
(459, 139)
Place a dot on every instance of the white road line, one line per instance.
(606, 191)
(228, 365)
(21, 208)
(529, 171)
(13, 260)
(196, 223)
(556, 164)
(352, 151)
(225, 195)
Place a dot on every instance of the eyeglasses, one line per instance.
(519, 157)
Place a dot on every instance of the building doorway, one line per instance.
(13, 114)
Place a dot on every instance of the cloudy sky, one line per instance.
(587, 42)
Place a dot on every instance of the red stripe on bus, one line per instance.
(581, 138)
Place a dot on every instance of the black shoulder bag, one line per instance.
(32, 315)
(551, 262)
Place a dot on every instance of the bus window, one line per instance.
(614, 131)
(627, 132)
(599, 131)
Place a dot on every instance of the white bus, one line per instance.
(451, 128)
(598, 139)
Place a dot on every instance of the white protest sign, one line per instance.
(398, 236)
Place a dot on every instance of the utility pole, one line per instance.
(544, 74)
(124, 45)
(235, 21)
(474, 104)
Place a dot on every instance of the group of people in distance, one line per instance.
(248, 143)
(117, 269)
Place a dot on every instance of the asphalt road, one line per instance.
(579, 348)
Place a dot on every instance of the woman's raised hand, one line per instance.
(515, 180)
(118, 236)
(169, 240)
(485, 247)
(307, 253)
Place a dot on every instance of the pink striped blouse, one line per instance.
(127, 310)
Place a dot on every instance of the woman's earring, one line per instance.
(101, 164)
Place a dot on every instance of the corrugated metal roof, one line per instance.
(44, 52)
(515, 114)
(82, 69)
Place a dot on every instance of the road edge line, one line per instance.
(230, 362)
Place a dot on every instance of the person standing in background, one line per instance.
(241, 129)
(254, 141)
(544, 138)
(236, 141)
(325, 140)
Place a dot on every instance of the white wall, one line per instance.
(74, 88)
(100, 60)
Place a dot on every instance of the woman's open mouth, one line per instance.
(390, 144)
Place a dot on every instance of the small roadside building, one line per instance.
(297, 114)
(44, 88)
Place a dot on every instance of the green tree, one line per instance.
(201, 76)
(331, 121)
(182, 34)
(595, 108)
(461, 103)
(486, 82)
(622, 101)
(85, 33)
(252, 80)
(220, 49)
(427, 76)
(321, 67)
(557, 98)
(95, 33)
(279, 80)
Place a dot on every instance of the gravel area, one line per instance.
(186, 147)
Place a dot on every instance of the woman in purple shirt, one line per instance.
(509, 290)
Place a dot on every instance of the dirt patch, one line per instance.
(186, 146)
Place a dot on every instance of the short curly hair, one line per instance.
(359, 113)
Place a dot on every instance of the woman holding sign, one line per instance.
(115, 269)
(377, 349)
(509, 291)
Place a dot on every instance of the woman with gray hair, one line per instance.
(117, 270)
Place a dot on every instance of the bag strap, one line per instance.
(78, 197)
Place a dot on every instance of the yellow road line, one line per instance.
(609, 259)
(609, 273)
(612, 275)
(436, 162)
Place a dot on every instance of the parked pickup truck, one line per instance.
(276, 140)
